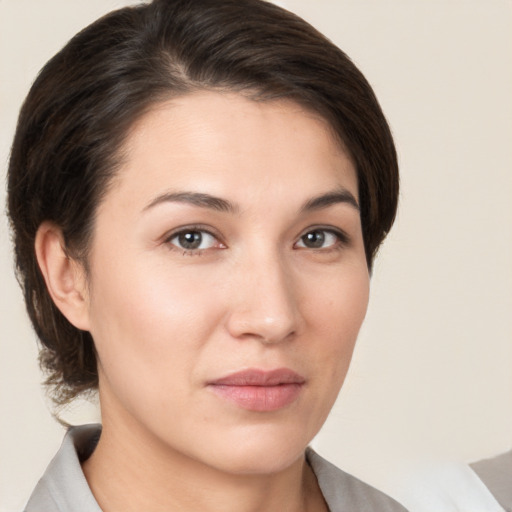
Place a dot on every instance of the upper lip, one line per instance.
(257, 377)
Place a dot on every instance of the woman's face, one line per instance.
(228, 281)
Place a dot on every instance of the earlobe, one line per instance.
(65, 277)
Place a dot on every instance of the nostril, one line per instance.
(249, 324)
(271, 341)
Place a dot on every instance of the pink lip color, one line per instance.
(258, 390)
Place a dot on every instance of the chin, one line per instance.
(258, 451)
(260, 463)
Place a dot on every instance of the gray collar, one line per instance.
(63, 487)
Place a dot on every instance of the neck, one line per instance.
(159, 478)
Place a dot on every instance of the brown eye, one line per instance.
(314, 239)
(319, 239)
(190, 240)
(193, 239)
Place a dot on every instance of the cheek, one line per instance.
(333, 315)
(150, 322)
(337, 312)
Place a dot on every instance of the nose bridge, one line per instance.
(265, 301)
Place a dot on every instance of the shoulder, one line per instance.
(496, 474)
(345, 492)
(63, 486)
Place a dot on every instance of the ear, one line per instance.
(65, 278)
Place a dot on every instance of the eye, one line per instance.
(193, 240)
(320, 239)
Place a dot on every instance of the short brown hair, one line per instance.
(78, 112)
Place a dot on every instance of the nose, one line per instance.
(264, 303)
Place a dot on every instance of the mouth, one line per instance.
(259, 390)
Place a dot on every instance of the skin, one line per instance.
(257, 293)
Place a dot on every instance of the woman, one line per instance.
(197, 191)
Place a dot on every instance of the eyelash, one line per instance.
(188, 230)
(342, 239)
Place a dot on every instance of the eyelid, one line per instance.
(166, 239)
(342, 237)
(190, 227)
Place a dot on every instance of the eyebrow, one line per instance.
(342, 195)
(195, 199)
(208, 201)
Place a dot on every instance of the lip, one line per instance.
(259, 390)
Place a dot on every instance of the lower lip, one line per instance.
(259, 398)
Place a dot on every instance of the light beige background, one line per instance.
(432, 373)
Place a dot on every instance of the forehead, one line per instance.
(225, 142)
